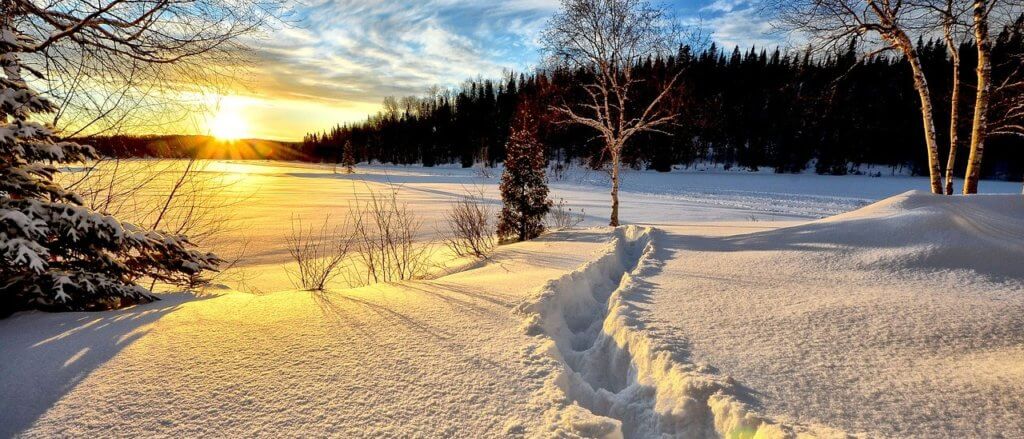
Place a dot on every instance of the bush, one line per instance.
(319, 253)
(563, 217)
(469, 230)
(385, 239)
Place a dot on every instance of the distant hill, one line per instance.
(193, 146)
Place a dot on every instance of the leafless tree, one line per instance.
(833, 23)
(112, 64)
(979, 127)
(469, 229)
(985, 13)
(607, 38)
(951, 18)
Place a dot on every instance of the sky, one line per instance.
(338, 59)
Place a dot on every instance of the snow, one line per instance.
(268, 195)
(902, 319)
(431, 358)
(738, 304)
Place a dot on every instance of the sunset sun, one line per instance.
(228, 123)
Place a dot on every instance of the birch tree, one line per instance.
(984, 13)
(834, 22)
(955, 31)
(979, 127)
(606, 39)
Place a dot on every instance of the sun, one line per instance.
(228, 123)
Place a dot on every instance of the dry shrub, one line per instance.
(469, 228)
(563, 217)
(319, 253)
(385, 239)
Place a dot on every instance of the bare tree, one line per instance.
(607, 38)
(832, 23)
(112, 64)
(979, 127)
(955, 31)
(984, 13)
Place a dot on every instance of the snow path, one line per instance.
(614, 379)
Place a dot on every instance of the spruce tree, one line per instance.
(524, 188)
(56, 254)
(348, 158)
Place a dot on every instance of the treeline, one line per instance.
(751, 108)
(193, 146)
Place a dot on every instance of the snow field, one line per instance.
(901, 319)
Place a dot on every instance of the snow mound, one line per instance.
(612, 378)
(918, 232)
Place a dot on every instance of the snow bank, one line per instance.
(612, 379)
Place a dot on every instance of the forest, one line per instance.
(753, 108)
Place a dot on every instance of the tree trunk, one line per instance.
(615, 187)
(979, 129)
(927, 113)
(954, 114)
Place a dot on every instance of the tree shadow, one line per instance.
(345, 306)
(46, 355)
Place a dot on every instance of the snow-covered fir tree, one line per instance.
(56, 254)
(524, 187)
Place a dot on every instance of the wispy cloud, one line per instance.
(356, 50)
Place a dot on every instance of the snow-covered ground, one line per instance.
(730, 308)
(901, 319)
(437, 358)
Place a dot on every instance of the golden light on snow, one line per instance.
(228, 123)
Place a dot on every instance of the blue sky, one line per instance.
(342, 57)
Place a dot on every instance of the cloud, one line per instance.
(739, 23)
(345, 56)
(724, 5)
(361, 51)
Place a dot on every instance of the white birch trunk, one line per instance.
(979, 129)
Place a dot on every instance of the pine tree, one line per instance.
(56, 254)
(348, 158)
(524, 188)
